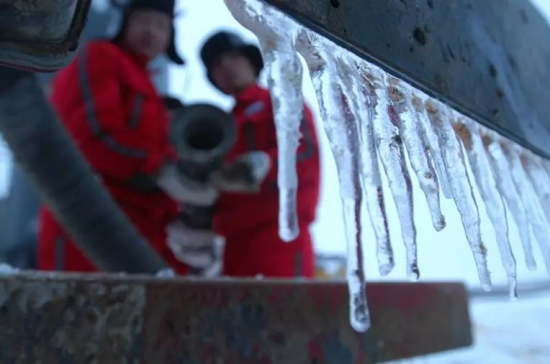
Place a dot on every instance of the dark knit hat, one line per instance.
(164, 6)
(223, 42)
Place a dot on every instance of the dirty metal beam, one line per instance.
(488, 59)
(122, 319)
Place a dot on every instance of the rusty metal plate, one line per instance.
(118, 319)
(488, 59)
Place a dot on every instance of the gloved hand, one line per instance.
(245, 174)
(183, 190)
(199, 249)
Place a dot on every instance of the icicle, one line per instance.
(508, 190)
(362, 102)
(372, 178)
(539, 178)
(431, 141)
(461, 187)
(537, 221)
(482, 170)
(276, 34)
(341, 128)
(411, 132)
(391, 153)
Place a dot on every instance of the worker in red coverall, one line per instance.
(249, 222)
(108, 103)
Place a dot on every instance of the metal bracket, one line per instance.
(131, 319)
(488, 59)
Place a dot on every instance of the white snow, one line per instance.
(7, 270)
(505, 333)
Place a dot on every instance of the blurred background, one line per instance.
(506, 332)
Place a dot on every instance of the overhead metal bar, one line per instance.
(131, 319)
(488, 59)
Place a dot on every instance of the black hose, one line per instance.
(66, 182)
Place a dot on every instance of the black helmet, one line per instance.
(225, 41)
(164, 6)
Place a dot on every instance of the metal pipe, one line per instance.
(202, 134)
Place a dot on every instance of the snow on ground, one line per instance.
(506, 333)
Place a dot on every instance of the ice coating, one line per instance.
(496, 209)
(540, 179)
(340, 125)
(535, 214)
(372, 179)
(368, 115)
(363, 103)
(431, 141)
(390, 150)
(410, 131)
(507, 188)
(461, 187)
(276, 34)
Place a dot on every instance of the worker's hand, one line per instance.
(245, 174)
(199, 249)
(183, 190)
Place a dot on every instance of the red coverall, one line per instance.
(109, 105)
(249, 222)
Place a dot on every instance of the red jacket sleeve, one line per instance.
(239, 213)
(112, 147)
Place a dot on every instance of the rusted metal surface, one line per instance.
(487, 59)
(116, 319)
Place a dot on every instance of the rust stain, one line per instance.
(53, 321)
(464, 133)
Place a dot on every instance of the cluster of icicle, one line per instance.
(370, 116)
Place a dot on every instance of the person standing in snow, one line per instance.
(108, 103)
(249, 222)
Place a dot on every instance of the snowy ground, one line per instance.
(506, 333)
